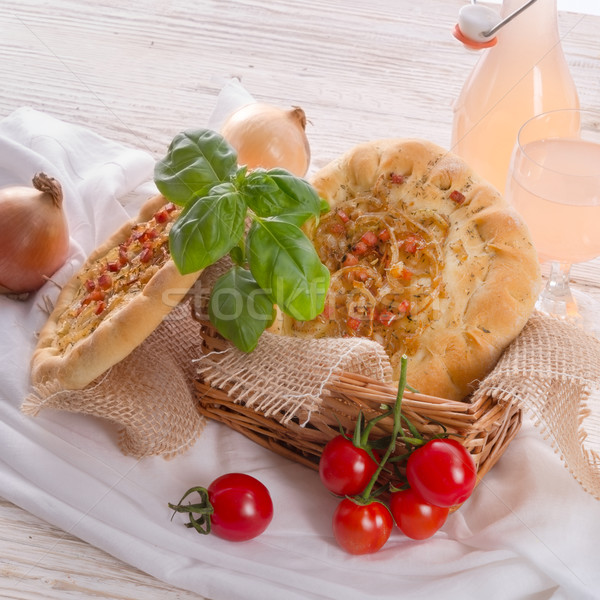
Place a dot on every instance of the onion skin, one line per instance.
(34, 242)
(269, 137)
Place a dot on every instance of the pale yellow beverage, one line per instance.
(555, 186)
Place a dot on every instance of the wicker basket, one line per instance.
(485, 427)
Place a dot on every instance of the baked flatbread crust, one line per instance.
(451, 282)
(116, 331)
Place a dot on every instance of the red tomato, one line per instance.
(242, 507)
(416, 518)
(361, 528)
(345, 469)
(442, 472)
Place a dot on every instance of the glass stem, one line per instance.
(558, 283)
(556, 298)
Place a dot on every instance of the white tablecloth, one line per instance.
(528, 531)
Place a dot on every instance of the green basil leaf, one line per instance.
(196, 161)
(208, 228)
(237, 255)
(240, 309)
(278, 193)
(285, 264)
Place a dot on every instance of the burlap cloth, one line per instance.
(149, 395)
(552, 371)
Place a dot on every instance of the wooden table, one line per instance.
(139, 72)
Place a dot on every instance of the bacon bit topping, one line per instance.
(94, 296)
(349, 260)
(369, 238)
(343, 216)
(362, 275)
(404, 308)
(100, 308)
(113, 266)
(162, 216)
(384, 235)
(145, 235)
(360, 248)
(90, 285)
(386, 318)
(399, 271)
(336, 228)
(457, 197)
(105, 281)
(396, 178)
(151, 234)
(170, 207)
(353, 323)
(137, 234)
(146, 254)
(123, 258)
(411, 243)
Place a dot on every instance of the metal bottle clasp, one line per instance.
(493, 30)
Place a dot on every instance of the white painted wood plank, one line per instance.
(139, 71)
(38, 561)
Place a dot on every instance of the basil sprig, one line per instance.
(274, 262)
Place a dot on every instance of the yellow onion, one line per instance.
(35, 239)
(267, 136)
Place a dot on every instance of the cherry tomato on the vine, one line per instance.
(345, 469)
(361, 528)
(442, 472)
(242, 507)
(416, 518)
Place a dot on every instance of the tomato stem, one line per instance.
(397, 427)
(357, 437)
(201, 524)
(369, 426)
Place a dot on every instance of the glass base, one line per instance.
(588, 310)
(560, 300)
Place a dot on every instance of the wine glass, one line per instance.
(554, 184)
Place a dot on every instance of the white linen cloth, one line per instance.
(528, 532)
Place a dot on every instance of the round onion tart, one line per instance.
(425, 258)
(120, 295)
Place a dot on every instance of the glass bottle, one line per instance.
(524, 74)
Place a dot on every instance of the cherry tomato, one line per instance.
(345, 469)
(361, 528)
(442, 472)
(242, 507)
(416, 518)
